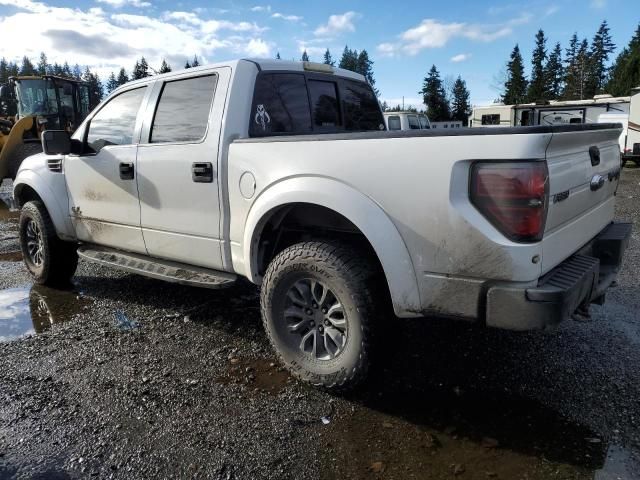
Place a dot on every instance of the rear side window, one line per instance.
(280, 105)
(413, 122)
(115, 123)
(324, 104)
(183, 110)
(361, 108)
(394, 122)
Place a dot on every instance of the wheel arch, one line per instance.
(356, 208)
(30, 186)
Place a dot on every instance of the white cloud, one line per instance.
(105, 42)
(290, 18)
(461, 57)
(258, 48)
(337, 24)
(261, 8)
(598, 4)
(431, 33)
(122, 3)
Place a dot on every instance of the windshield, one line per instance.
(36, 97)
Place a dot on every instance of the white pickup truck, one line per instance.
(278, 172)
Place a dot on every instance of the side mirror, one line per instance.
(56, 142)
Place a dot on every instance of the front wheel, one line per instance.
(318, 310)
(50, 260)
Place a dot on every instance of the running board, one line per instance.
(156, 268)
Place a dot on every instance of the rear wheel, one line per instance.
(21, 152)
(50, 260)
(318, 310)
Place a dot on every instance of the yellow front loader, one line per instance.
(39, 103)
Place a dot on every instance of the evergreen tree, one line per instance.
(278, 56)
(56, 69)
(112, 83)
(164, 67)
(460, 106)
(554, 73)
(95, 85)
(435, 97)
(327, 59)
(515, 87)
(195, 62)
(304, 57)
(66, 70)
(537, 89)
(364, 66)
(187, 65)
(27, 67)
(76, 72)
(625, 73)
(43, 65)
(122, 77)
(601, 47)
(583, 63)
(4, 71)
(349, 60)
(140, 69)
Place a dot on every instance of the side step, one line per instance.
(157, 268)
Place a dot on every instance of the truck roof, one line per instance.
(262, 64)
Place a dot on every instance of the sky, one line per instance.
(471, 39)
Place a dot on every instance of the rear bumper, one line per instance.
(577, 282)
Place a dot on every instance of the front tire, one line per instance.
(318, 311)
(50, 260)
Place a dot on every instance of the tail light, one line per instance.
(513, 196)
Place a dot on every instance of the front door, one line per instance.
(178, 169)
(103, 195)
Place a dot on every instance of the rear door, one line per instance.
(178, 169)
(584, 168)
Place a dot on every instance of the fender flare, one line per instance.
(54, 204)
(360, 210)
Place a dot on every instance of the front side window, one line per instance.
(394, 122)
(361, 108)
(413, 122)
(115, 123)
(324, 104)
(424, 123)
(183, 110)
(280, 105)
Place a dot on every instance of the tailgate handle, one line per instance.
(597, 181)
(594, 153)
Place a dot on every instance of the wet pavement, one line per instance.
(126, 377)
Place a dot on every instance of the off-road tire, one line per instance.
(59, 258)
(352, 279)
(21, 152)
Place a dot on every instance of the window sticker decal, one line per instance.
(262, 116)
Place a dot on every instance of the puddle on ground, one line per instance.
(11, 257)
(34, 309)
(262, 375)
(430, 435)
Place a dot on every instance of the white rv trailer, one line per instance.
(549, 113)
(631, 149)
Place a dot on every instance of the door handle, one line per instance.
(126, 171)
(597, 182)
(202, 172)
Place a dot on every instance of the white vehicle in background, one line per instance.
(447, 124)
(406, 121)
(549, 113)
(622, 119)
(631, 150)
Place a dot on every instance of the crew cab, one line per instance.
(282, 173)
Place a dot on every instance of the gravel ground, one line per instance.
(127, 377)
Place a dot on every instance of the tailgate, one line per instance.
(584, 168)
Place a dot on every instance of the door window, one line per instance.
(413, 122)
(493, 119)
(424, 123)
(183, 110)
(394, 122)
(361, 107)
(115, 123)
(280, 105)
